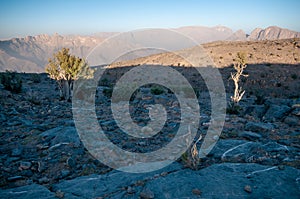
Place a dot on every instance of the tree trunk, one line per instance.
(65, 87)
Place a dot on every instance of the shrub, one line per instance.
(233, 108)
(191, 157)
(11, 81)
(294, 76)
(65, 68)
(33, 98)
(156, 90)
(107, 92)
(260, 99)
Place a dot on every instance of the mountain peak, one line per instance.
(272, 33)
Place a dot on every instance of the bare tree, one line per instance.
(239, 67)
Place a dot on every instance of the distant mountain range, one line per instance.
(31, 54)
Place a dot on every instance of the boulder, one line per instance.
(259, 127)
(61, 135)
(27, 192)
(276, 112)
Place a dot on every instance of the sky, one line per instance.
(85, 17)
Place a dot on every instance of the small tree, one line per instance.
(11, 81)
(239, 67)
(65, 68)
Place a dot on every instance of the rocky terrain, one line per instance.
(257, 154)
(31, 54)
(223, 53)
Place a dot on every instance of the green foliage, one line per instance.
(157, 90)
(107, 92)
(260, 99)
(294, 76)
(233, 108)
(11, 81)
(241, 58)
(65, 68)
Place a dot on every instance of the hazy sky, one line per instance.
(21, 18)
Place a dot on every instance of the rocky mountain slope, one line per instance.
(223, 53)
(272, 33)
(30, 54)
(257, 154)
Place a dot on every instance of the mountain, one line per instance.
(239, 35)
(272, 33)
(203, 34)
(223, 53)
(31, 53)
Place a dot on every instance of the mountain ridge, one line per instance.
(31, 53)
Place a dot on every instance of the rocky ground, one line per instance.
(257, 155)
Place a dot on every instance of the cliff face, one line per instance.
(272, 33)
(30, 54)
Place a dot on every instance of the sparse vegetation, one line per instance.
(260, 99)
(11, 81)
(157, 90)
(294, 76)
(107, 92)
(191, 157)
(65, 68)
(239, 68)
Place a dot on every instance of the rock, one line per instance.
(275, 147)
(71, 162)
(257, 111)
(292, 121)
(26, 173)
(24, 165)
(276, 112)
(250, 135)
(196, 192)
(258, 127)
(225, 180)
(296, 110)
(3, 118)
(15, 178)
(14, 122)
(43, 180)
(59, 194)
(147, 194)
(279, 102)
(130, 190)
(17, 151)
(269, 182)
(224, 145)
(248, 189)
(243, 153)
(240, 151)
(100, 185)
(61, 135)
(65, 173)
(27, 192)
